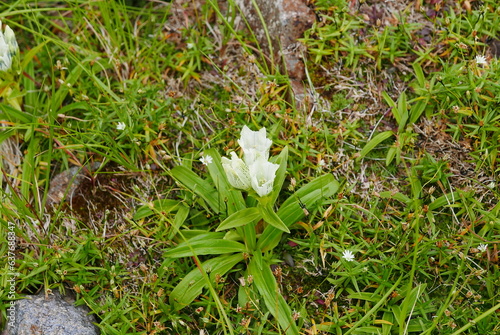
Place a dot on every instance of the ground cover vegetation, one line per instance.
(383, 217)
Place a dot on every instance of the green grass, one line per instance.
(406, 124)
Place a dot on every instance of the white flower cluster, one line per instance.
(254, 171)
(8, 47)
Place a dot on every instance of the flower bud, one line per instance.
(8, 48)
(237, 172)
(255, 144)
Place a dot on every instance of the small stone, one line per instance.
(65, 184)
(494, 44)
(51, 315)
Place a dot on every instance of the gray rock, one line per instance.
(286, 21)
(65, 185)
(49, 316)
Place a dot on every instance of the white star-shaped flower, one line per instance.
(206, 159)
(121, 126)
(348, 255)
(482, 247)
(481, 60)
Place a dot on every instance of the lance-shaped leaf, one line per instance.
(281, 160)
(291, 211)
(205, 247)
(193, 283)
(272, 218)
(376, 140)
(241, 218)
(198, 185)
(266, 284)
(157, 206)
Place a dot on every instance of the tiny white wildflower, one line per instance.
(206, 159)
(121, 126)
(348, 255)
(481, 60)
(482, 247)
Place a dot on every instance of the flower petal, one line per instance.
(237, 172)
(262, 175)
(255, 144)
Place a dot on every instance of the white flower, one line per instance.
(206, 159)
(255, 144)
(254, 171)
(8, 48)
(121, 126)
(481, 60)
(262, 174)
(482, 247)
(237, 172)
(348, 255)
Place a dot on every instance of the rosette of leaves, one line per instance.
(236, 239)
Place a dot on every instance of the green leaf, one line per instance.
(375, 308)
(84, 106)
(179, 220)
(200, 234)
(390, 102)
(398, 196)
(365, 296)
(417, 109)
(14, 115)
(28, 56)
(416, 185)
(233, 198)
(402, 111)
(444, 200)
(240, 218)
(157, 206)
(272, 218)
(199, 186)
(282, 160)
(205, 247)
(311, 195)
(62, 92)
(376, 140)
(193, 283)
(390, 155)
(407, 308)
(266, 284)
(419, 74)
